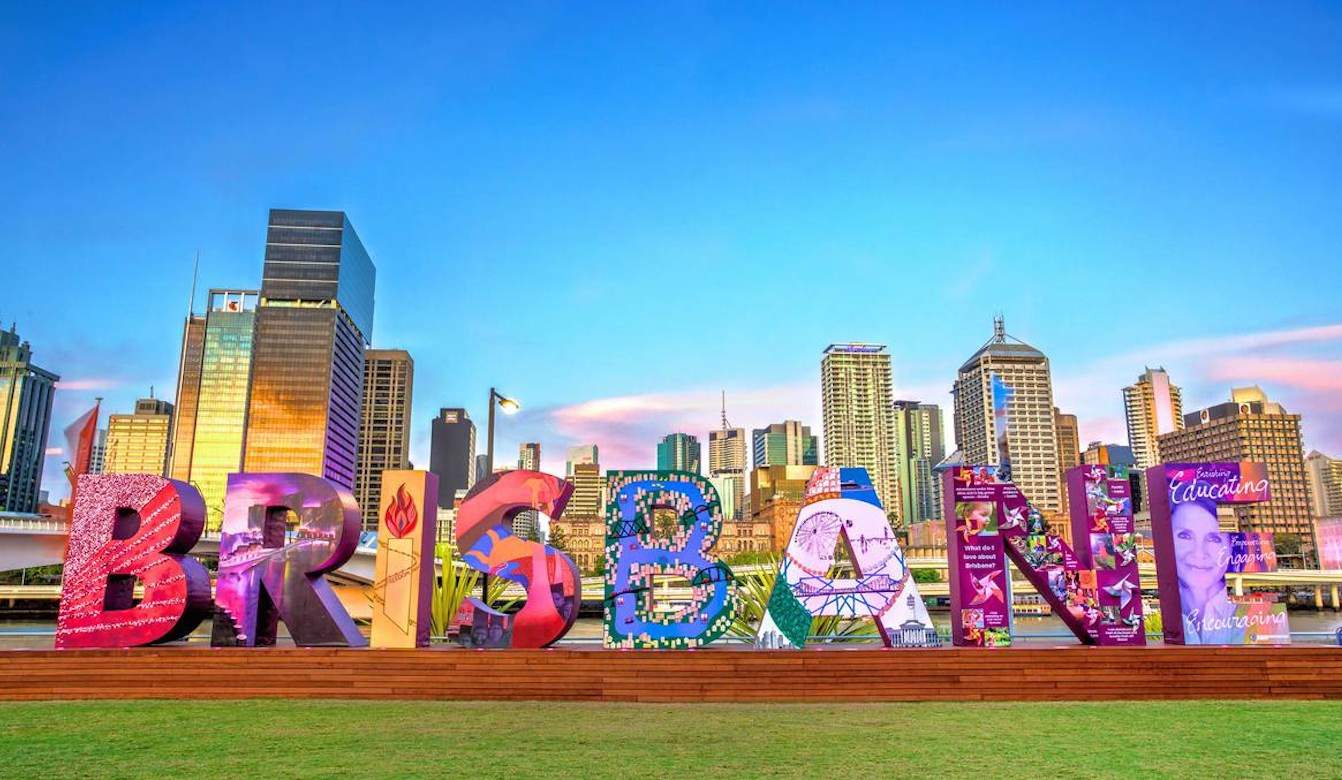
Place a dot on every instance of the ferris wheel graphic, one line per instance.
(818, 533)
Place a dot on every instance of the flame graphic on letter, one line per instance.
(401, 517)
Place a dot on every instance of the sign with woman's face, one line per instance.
(1201, 549)
(1194, 553)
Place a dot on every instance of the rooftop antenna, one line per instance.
(999, 328)
(191, 303)
(725, 425)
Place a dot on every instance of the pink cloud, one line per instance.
(88, 384)
(1303, 373)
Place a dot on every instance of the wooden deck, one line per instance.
(1072, 673)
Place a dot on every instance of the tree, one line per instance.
(557, 538)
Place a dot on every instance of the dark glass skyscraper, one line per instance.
(452, 453)
(25, 417)
(314, 321)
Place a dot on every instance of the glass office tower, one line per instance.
(314, 320)
(221, 400)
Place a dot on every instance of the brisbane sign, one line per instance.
(283, 533)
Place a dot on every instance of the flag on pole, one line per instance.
(79, 437)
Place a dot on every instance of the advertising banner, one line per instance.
(1193, 555)
(1328, 537)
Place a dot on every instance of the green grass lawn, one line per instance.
(390, 739)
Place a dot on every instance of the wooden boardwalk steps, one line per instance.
(1073, 673)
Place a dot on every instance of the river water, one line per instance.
(1307, 627)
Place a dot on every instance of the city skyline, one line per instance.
(1138, 216)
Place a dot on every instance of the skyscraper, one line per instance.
(1251, 427)
(526, 524)
(314, 321)
(727, 466)
(788, 443)
(452, 453)
(138, 443)
(1325, 484)
(1069, 447)
(589, 491)
(679, 452)
(188, 390)
(214, 379)
(384, 426)
(1004, 403)
(919, 445)
(1069, 440)
(98, 452)
(1153, 406)
(25, 418)
(855, 394)
(583, 453)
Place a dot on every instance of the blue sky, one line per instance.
(615, 212)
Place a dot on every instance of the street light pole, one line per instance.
(509, 405)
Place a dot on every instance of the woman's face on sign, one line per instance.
(1201, 549)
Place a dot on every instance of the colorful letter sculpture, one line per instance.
(635, 558)
(841, 505)
(404, 573)
(987, 521)
(486, 541)
(281, 533)
(1193, 555)
(1100, 499)
(128, 528)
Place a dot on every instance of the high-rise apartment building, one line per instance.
(679, 452)
(26, 393)
(138, 443)
(583, 453)
(452, 454)
(313, 323)
(384, 425)
(1069, 447)
(1069, 440)
(1004, 405)
(788, 443)
(1153, 406)
(213, 380)
(98, 452)
(188, 390)
(1325, 484)
(589, 491)
(919, 445)
(1251, 428)
(526, 524)
(858, 411)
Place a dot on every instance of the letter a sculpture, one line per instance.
(841, 505)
